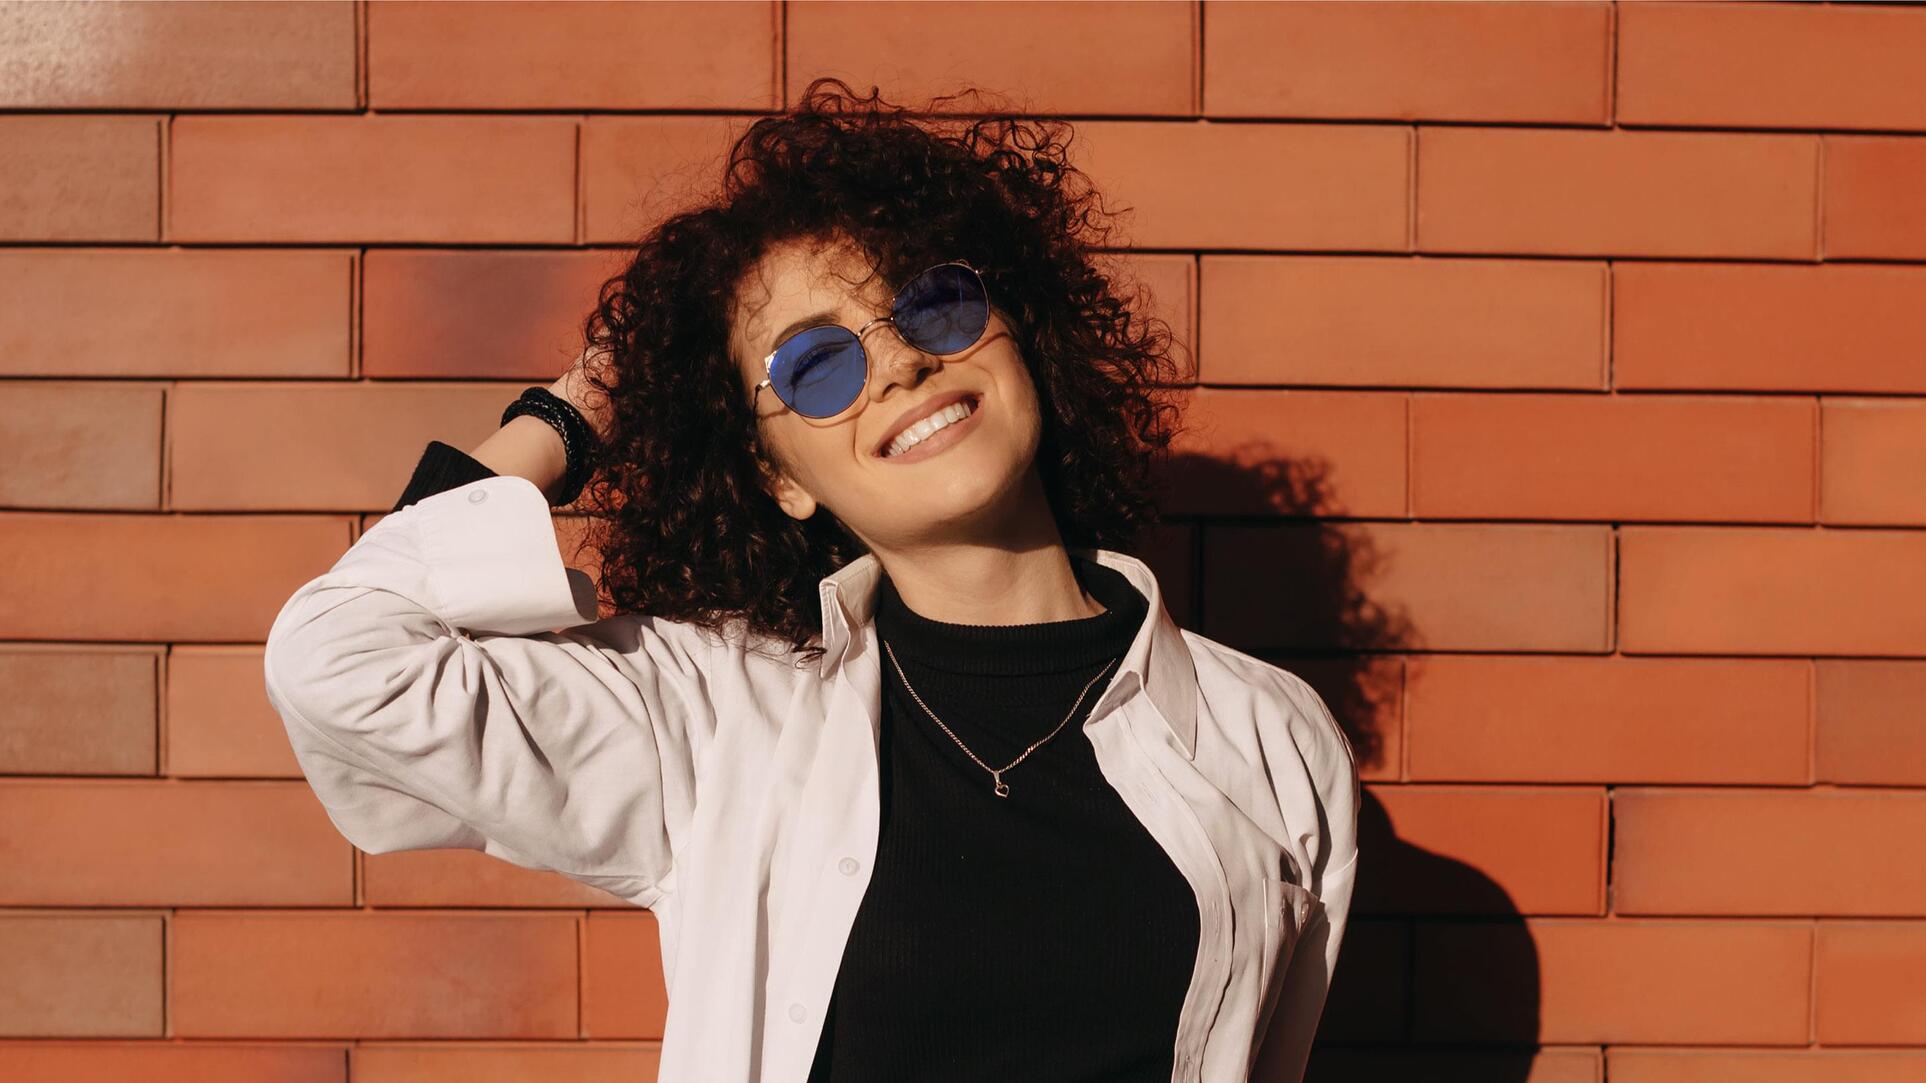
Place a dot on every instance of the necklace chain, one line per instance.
(996, 773)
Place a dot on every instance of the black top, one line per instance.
(1045, 935)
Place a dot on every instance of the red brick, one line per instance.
(1237, 441)
(1430, 586)
(1771, 66)
(1764, 1065)
(1872, 205)
(251, 446)
(80, 975)
(1612, 457)
(372, 975)
(383, 178)
(463, 1062)
(1168, 285)
(85, 711)
(1403, 322)
(179, 56)
(1790, 852)
(1547, 63)
(1092, 57)
(1750, 327)
(1271, 186)
(1477, 718)
(637, 171)
(219, 722)
(1620, 193)
(623, 990)
(80, 178)
(163, 1061)
(478, 314)
(630, 55)
(165, 843)
(157, 578)
(1867, 983)
(176, 312)
(1487, 850)
(1871, 453)
(470, 878)
(82, 445)
(1569, 980)
(1867, 730)
(1762, 590)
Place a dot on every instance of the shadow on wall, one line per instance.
(1438, 978)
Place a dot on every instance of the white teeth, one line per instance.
(916, 433)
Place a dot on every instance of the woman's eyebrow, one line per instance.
(806, 322)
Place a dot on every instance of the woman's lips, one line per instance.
(935, 442)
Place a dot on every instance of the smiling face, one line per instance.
(961, 483)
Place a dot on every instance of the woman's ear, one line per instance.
(796, 501)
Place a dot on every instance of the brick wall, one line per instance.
(1560, 413)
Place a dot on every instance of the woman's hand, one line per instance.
(574, 389)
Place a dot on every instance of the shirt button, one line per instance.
(796, 1012)
(848, 865)
(478, 496)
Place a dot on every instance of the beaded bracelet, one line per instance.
(579, 443)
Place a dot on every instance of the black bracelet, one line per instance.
(579, 443)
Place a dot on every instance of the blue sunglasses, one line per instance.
(819, 371)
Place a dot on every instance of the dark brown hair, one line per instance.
(686, 529)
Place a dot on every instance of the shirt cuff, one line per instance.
(441, 467)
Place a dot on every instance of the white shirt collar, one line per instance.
(1158, 659)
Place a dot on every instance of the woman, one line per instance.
(900, 746)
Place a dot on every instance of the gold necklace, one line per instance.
(996, 774)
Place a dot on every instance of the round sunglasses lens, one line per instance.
(943, 310)
(820, 371)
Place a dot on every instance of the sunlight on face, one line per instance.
(953, 489)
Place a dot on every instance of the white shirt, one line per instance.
(733, 790)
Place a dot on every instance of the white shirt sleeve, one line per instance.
(432, 704)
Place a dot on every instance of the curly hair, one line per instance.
(678, 506)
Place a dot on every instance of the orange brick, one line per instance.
(1097, 56)
(82, 445)
(470, 878)
(372, 975)
(1169, 549)
(180, 56)
(162, 1061)
(461, 1062)
(1569, 980)
(623, 990)
(1402, 322)
(1169, 293)
(1612, 457)
(1872, 453)
(478, 314)
(240, 446)
(637, 171)
(1487, 850)
(157, 578)
(1548, 63)
(1761, 590)
(1430, 586)
(80, 178)
(1838, 327)
(87, 711)
(1771, 66)
(1764, 1065)
(1354, 441)
(1867, 984)
(373, 178)
(1868, 728)
(159, 843)
(1727, 852)
(178, 312)
(1873, 209)
(631, 55)
(1619, 193)
(80, 975)
(1283, 186)
(218, 721)
(1560, 719)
